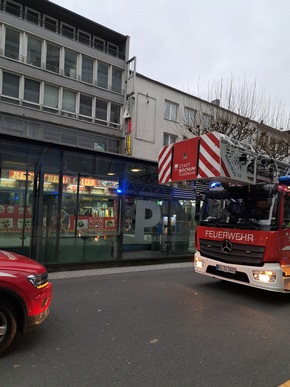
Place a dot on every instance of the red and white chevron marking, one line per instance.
(210, 163)
(164, 164)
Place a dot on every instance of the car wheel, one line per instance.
(8, 327)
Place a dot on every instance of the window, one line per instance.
(12, 43)
(115, 114)
(10, 86)
(51, 96)
(112, 49)
(84, 38)
(206, 121)
(117, 80)
(67, 30)
(13, 8)
(189, 117)
(31, 90)
(52, 58)
(50, 23)
(69, 101)
(32, 16)
(86, 105)
(87, 69)
(70, 64)
(99, 44)
(34, 51)
(170, 111)
(103, 71)
(169, 139)
(287, 211)
(101, 110)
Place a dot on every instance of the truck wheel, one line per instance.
(8, 327)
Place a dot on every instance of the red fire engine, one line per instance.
(243, 215)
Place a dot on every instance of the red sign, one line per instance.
(185, 160)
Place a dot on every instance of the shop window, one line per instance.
(117, 80)
(97, 206)
(86, 105)
(34, 51)
(101, 110)
(12, 42)
(170, 111)
(31, 90)
(87, 69)
(52, 58)
(103, 75)
(10, 85)
(70, 64)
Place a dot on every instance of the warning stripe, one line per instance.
(209, 156)
(164, 164)
(226, 173)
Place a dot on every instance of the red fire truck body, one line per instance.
(243, 215)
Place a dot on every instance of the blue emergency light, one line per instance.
(284, 180)
(215, 184)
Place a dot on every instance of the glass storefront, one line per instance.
(66, 206)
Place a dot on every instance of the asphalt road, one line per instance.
(155, 328)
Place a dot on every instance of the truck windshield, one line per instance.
(240, 207)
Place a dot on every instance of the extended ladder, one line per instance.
(216, 157)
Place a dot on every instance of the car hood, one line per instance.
(13, 261)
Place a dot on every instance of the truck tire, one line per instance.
(8, 327)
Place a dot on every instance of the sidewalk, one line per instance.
(117, 270)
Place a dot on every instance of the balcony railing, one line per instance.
(94, 42)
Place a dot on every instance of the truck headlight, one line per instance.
(198, 262)
(265, 276)
(38, 280)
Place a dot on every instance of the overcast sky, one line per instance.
(193, 44)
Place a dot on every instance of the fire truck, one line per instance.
(243, 214)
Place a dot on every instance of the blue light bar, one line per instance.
(284, 180)
(215, 184)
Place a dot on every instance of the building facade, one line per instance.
(68, 193)
(158, 114)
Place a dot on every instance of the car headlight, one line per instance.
(38, 280)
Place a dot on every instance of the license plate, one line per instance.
(226, 269)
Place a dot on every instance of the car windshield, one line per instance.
(240, 207)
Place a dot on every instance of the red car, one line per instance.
(25, 296)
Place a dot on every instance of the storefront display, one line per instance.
(97, 202)
(114, 206)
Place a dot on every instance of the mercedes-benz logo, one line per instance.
(226, 246)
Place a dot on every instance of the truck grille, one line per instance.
(240, 254)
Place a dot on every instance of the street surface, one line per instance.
(153, 327)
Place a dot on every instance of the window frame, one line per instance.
(169, 113)
(188, 119)
(169, 138)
